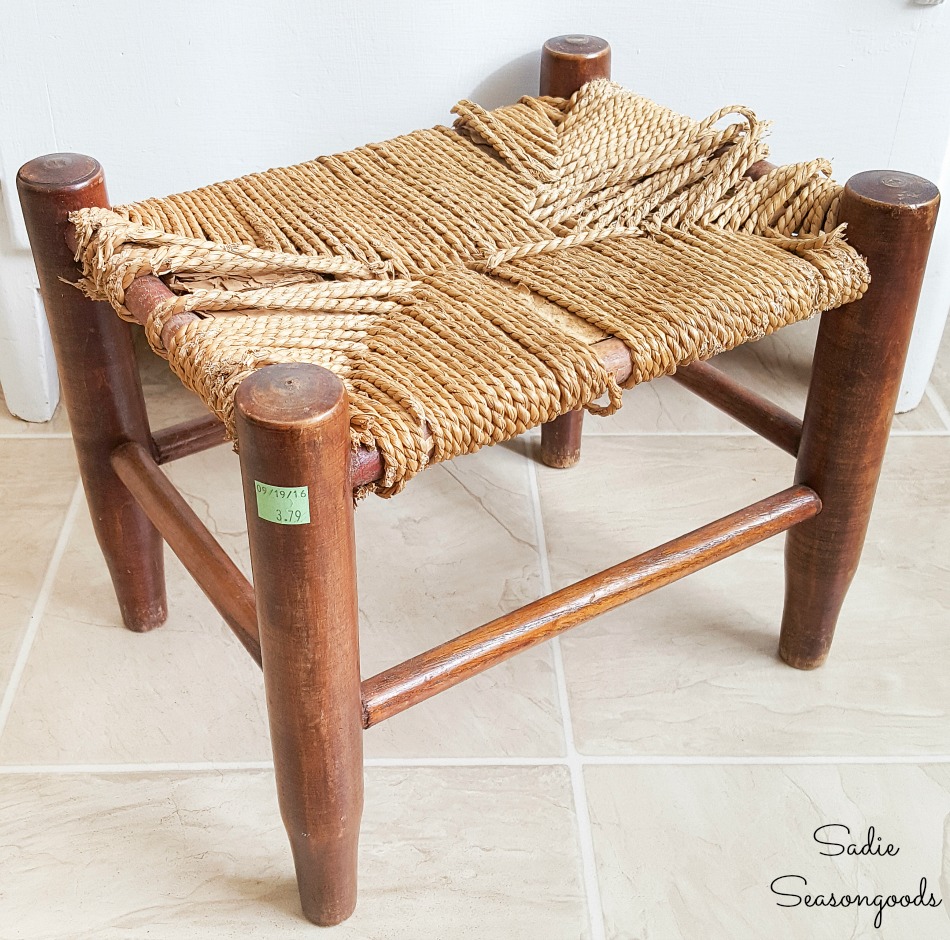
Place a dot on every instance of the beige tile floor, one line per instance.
(649, 776)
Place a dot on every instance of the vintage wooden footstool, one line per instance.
(352, 319)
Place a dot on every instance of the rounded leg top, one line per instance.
(298, 393)
(903, 191)
(576, 46)
(568, 62)
(58, 172)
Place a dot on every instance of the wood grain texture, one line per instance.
(293, 431)
(99, 380)
(561, 440)
(204, 559)
(567, 63)
(396, 689)
(570, 61)
(767, 419)
(188, 437)
(147, 292)
(859, 358)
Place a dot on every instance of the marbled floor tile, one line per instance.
(692, 669)
(211, 484)
(448, 852)
(38, 478)
(10, 425)
(455, 549)
(778, 366)
(693, 851)
(940, 380)
(94, 692)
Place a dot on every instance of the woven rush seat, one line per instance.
(458, 279)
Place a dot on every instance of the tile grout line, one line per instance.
(762, 760)
(607, 760)
(939, 405)
(575, 766)
(156, 767)
(39, 607)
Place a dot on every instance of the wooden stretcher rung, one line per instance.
(413, 681)
(188, 437)
(188, 537)
(767, 419)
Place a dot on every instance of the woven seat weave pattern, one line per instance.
(456, 279)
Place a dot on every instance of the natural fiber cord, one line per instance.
(455, 278)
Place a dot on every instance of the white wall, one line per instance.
(175, 94)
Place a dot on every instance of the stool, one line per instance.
(353, 319)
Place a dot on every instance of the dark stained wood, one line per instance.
(758, 170)
(366, 466)
(764, 417)
(144, 294)
(396, 689)
(294, 431)
(189, 437)
(859, 359)
(188, 537)
(99, 379)
(567, 63)
(293, 428)
(561, 440)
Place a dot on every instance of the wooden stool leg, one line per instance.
(100, 381)
(561, 440)
(293, 435)
(567, 62)
(859, 358)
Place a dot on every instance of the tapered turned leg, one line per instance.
(567, 62)
(99, 379)
(293, 438)
(859, 358)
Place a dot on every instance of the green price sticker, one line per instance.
(285, 505)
